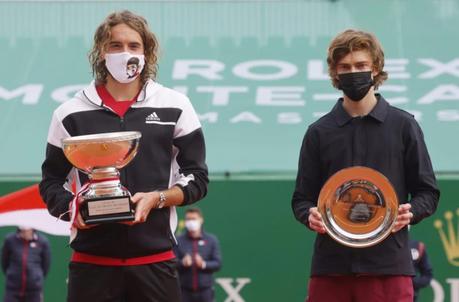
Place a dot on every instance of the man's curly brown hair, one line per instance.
(102, 37)
(352, 40)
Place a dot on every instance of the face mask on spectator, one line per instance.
(193, 225)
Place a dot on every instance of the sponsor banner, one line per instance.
(256, 88)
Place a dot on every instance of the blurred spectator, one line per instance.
(25, 262)
(421, 265)
(199, 257)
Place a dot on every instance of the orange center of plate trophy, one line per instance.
(358, 200)
(357, 210)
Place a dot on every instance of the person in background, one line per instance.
(199, 257)
(26, 259)
(421, 265)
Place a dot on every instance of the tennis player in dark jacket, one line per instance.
(118, 261)
(363, 129)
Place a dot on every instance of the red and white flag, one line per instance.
(26, 208)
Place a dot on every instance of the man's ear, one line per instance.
(102, 53)
(337, 77)
(374, 72)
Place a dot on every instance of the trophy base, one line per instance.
(107, 210)
(109, 219)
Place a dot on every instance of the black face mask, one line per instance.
(355, 85)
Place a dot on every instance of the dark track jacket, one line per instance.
(25, 263)
(193, 278)
(171, 152)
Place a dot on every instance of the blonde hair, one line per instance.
(102, 37)
(352, 40)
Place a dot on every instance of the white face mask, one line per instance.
(193, 225)
(123, 66)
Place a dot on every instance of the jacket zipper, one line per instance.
(195, 267)
(25, 254)
(123, 172)
(122, 126)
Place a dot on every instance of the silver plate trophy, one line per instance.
(359, 206)
(101, 156)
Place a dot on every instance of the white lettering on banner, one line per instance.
(395, 88)
(63, 94)
(326, 97)
(289, 118)
(438, 68)
(181, 89)
(31, 93)
(253, 99)
(417, 114)
(210, 117)
(448, 115)
(285, 70)
(397, 100)
(454, 285)
(280, 96)
(318, 114)
(208, 69)
(396, 68)
(221, 93)
(246, 116)
(291, 95)
(233, 292)
(438, 293)
(316, 70)
(449, 92)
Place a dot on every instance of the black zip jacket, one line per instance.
(171, 152)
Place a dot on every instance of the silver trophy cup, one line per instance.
(104, 199)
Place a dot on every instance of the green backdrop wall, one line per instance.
(262, 242)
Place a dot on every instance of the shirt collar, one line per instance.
(195, 238)
(148, 90)
(378, 113)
